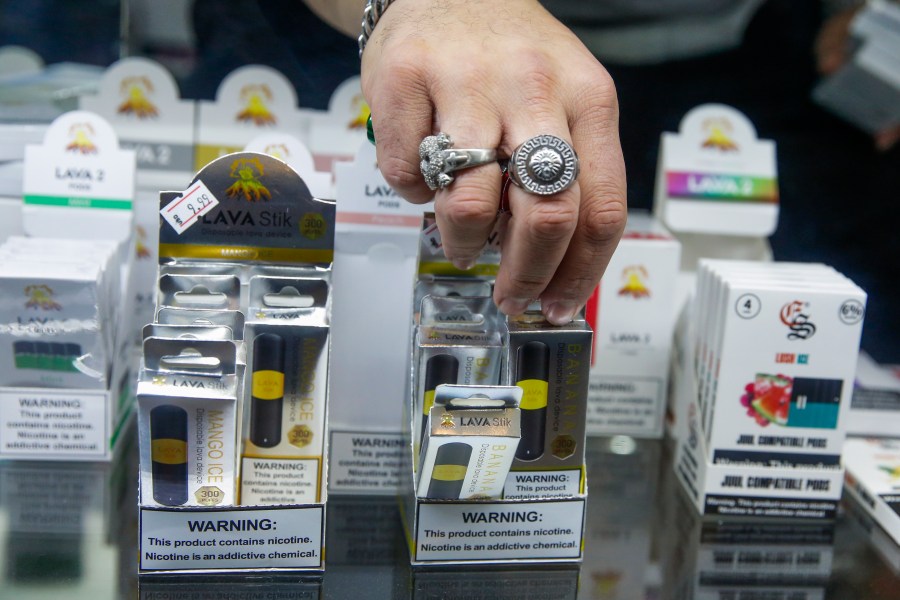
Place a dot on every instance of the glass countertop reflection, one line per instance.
(70, 530)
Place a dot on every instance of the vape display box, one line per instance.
(259, 226)
(542, 528)
(633, 317)
(871, 479)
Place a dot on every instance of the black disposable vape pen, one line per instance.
(168, 454)
(440, 368)
(450, 466)
(533, 373)
(267, 390)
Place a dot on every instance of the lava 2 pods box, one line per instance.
(632, 314)
(187, 418)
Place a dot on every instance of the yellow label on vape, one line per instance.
(449, 472)
(429, 402)
(535, 394)
(268, 385)
(168, 451)
(300, 436)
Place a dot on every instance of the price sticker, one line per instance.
(184, 211)
(433, 243)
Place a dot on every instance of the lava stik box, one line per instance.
(533, 527)
(873, 480)
(459, 341)
(633, 318)
(470, 442)
(245, 215)
(187, 419)
(285, 392)
(551, 364)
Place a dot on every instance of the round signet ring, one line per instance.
(440, 159)
(544, 165)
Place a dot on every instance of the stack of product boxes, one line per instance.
(232, 397)
(765, 391)
(495, 461)
(60, 328)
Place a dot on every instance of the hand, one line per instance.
(491, 74)
(831, 47)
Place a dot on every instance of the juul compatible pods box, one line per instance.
(633, 315)
(764, 387)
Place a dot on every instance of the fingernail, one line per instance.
(560, 313)
(514, 306)
(463, 264)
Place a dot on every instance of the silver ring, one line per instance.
(439, 159)
(544, 165)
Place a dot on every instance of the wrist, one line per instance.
(371, 15)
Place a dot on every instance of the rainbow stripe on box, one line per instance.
(721, 187)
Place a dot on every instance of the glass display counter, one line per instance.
(70, 530)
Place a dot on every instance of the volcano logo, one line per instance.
(135, 90)
(634, 278)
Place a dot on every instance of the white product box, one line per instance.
(775, 352)
(78, 183)
(140, 99)
(633, 317)
(873, 480)
(740, 489)
(251, 100)
(335, 134)
(875, 405)
(715, 176)
(376, 242)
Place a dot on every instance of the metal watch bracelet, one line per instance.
(373, 11)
